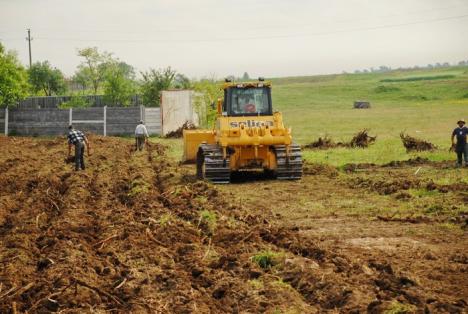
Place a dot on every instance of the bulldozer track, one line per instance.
(211, 165)
(289, 166)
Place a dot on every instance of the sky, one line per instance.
(216, 38)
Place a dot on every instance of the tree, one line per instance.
(210, 92)
(93, 68)
(246, 76)
(155, 81)
(181, 81)
(13, 78)
(118, 87)
(44, 78)
(81, 78)
(127, 70)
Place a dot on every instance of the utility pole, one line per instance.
(29, 41)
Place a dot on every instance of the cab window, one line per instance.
(250, 101)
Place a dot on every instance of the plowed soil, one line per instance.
(136, 233)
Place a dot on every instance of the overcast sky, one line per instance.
(264, 37)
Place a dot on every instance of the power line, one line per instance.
(257, 37)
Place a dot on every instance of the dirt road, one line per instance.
(137, 233)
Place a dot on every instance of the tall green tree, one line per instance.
(209, 92)
(94, 66)
(182, 82)
(44, 78)
(155, 81)
(13, 78)
(118, 87)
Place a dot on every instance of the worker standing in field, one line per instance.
(141, 136)
(77, 138)
(461, 147)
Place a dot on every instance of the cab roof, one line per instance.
(246, 84)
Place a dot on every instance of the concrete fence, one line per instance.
(105, 120)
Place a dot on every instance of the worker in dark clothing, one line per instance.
(77, 138)
(461, 148)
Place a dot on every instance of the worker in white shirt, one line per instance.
(141, 136)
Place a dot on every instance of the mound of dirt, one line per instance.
(410, 162)
(415, 144)
(356, 167)
(361, 140)
(385, 186)
(180, 131)
(319, 169)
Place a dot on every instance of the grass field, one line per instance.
(423, 103)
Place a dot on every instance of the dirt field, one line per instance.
(137, 233)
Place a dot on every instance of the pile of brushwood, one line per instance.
(322, 143)
(180, 131)
(361, 140)
(415, 144)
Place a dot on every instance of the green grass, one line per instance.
(266, 259)
(209, 218)
(319, 105)
(400, 308)
(419, 78)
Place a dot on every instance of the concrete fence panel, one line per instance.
(2, 120)
(35, 122)
(122, 121)
(153, 120)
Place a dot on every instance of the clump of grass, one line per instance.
(165, 219)
(209, 219)
(424, 192)
(137, 187)
(280, 283)
(450, 227)
(266, 259)
(435, 209)
(399, 308)
(256, 284)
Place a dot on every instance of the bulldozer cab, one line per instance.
(247, 100)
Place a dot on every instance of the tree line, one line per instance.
(99, 73)
(384, 68)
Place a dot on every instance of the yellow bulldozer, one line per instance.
(247, 135)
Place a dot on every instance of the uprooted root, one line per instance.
(415, 144)
(361, 140)
(180, 131)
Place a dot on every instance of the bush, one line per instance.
(75, 102)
